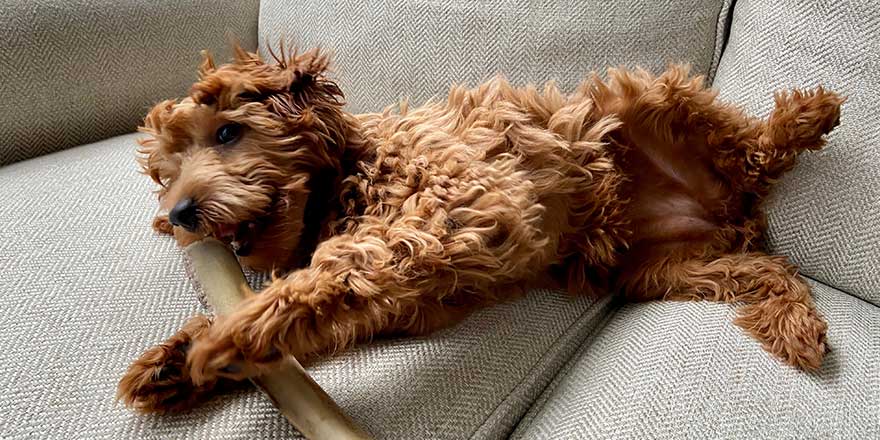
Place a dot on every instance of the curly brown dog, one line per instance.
(403, 222)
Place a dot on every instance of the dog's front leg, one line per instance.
(354, 289)
(159, 381)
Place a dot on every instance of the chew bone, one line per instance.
(294, 393)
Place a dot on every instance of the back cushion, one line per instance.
(73, 72)
(386, 50)
(826, 213)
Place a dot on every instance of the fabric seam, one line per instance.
(722, 34)
(827, 284)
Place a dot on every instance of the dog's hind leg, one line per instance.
(756, 154)
(752, 153)
(778, 310)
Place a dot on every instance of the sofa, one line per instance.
(87, 285)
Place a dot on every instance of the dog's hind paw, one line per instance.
(790, 330)
(802, 118)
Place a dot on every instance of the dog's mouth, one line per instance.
(241, 236)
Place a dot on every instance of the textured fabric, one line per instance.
(668, 370)
(87, 287)
(386, 50)
(826, 213)
(76, 71)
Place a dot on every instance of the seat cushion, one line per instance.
(386, 50)
(87, 287)
(79, 71)
(681, 370)
(825, 214)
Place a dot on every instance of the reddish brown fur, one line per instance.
(403, 222)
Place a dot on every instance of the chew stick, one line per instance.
(294, 393)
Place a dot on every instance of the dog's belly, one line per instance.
(676, 197)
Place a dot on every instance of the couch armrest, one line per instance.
(76, 71)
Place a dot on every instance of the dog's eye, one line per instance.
(250, 97)
(228, 133)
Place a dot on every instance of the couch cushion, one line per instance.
(826, 213)
(87, 287)
(79, 71)
(387, 50)
(668, 370)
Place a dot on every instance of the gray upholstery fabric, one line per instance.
(668, 370)
(76, 71)
(87, 287)
(826, 213)
(386, 50)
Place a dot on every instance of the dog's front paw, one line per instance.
(791, 330)
(159, 381)
(162, 225)
(230, 351)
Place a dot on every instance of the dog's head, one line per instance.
(243, 157)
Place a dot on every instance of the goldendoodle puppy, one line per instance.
(404, 221)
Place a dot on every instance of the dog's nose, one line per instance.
(185, 215)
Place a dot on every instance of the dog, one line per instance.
(403, 222)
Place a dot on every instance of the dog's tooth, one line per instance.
(244, 249)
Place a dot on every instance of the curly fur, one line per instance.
(402, 222)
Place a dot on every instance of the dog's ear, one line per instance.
(307, 80)
(307, 68)
(150, 155)
(245, 58)
(207, 66)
